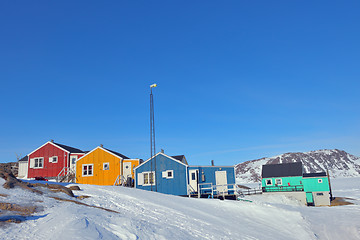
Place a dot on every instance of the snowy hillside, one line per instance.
(141, 214)
(339, 163)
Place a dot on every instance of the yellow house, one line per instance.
(102, 166)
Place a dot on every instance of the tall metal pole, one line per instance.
(152, 138)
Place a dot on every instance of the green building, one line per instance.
(312, 189)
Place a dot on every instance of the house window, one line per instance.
(148, 178)
(278, 181)
(37, 162)
(106, 166)
(320, 181)
(193, 176)
(319, 194)
(268, 182)
(168, 174)
(53, 159)
(87, 169)
(73, 160)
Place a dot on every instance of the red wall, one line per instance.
(49, 169)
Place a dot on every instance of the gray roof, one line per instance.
(24, 159)
(282, 170)
(318, 174)
(118, 154)
(181, 158)
(70, 149)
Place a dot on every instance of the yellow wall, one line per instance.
(100, 176)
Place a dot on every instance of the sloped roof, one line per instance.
(24, 159)
(318, 174)
(282, 170)
(180, 158)
(118, 154)
(67, 148)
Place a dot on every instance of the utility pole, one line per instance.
(152, 174)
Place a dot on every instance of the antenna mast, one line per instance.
(152, 174)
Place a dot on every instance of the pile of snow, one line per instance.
(148, 215)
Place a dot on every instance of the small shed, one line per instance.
(212, 180)
(23, 167)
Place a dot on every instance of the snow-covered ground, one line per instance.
(149, 215)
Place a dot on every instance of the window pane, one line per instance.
(169, 174)
(151, 176)
(146, 178)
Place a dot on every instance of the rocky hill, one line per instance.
(338, 162)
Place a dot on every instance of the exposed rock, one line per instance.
(338, 162)
(75, 188)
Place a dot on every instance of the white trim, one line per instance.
(148, 173)
(278, 184)
(102, 149)
(82, 170)
(52, 160)
(163, 155)
(51, 144)
(33, 160)
(108, 166)
(165, 174)
(266, 182)
(140, 177)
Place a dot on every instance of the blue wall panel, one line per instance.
(175, 186)
(209, 173)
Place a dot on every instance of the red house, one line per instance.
(52, 160)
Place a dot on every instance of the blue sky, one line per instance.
(237, 80)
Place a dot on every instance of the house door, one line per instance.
(310, 199)
(193, 181)
(221, 182)
(127, 170)
(73, 163)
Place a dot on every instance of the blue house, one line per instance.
(172, 175)
(164, 174)
(212, 181)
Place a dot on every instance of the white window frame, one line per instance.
(165, 174)
(52, 159)
(73, 158)
(320, 180)
(276, 181)
(87, 170)
(33, 162)
(266, 182)
(108, 166)
(146, 176)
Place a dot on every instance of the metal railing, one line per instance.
(216, 190)
(296, 188)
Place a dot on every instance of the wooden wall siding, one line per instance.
(293, 181)
(175, 186)
(312, 184)
(49, 169)
(209, 173)
(100, 176)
